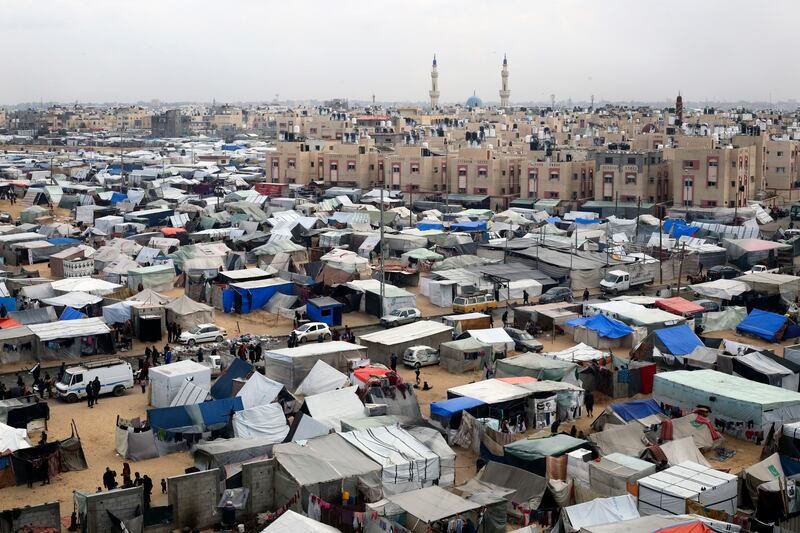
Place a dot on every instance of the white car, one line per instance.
(312, 331)
(398, 317)
(203, 333)
(421, 355)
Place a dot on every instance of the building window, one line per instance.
(609, 161)
(274, 163)
(780, 170)
(462, 172)
(395, 186)
(607, 198)
(780, 154)
(608, 179)
(414, 168)
(688, 163)
(630, 178)
(532, 175)
(334, 165)
(462, 190)
(651, 179)
(291, 163)
(551, 194)
(628, 198)
(575, 177)
(482, 172)
(396, 168)
(712, 183)
(713, 163)
(688, 182)
(553, 175)
(651, 199)
(631, 160)
(351, 166)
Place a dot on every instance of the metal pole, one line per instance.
(680, 268)
(638, 211)
(383, 272)
(660, 252)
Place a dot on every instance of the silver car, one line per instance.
(398, 317)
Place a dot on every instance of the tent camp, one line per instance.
(331, 407)
(748, 408)
(155, 278)
(259, 390)
(628, 439)
(501, 342)
(381, 344)
(667, 492)
(291, 366)
(464, 355)
(611, 474)
(292, 522)
(187, 313)
(599, 511)
(432, 504)
(769, 326)
(599, 331)
(723, 289)
(226, 452)
(72, 338)
(536, 366)
(325, 466)
(406, 463)
(646, 412)
(263, 422)
(532, 454)
(447, 457)
(134, 441)
(675, 452)
(520, 488)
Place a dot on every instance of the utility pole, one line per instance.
(616, 204)
(383, 272)
(680, 268)
(638, 208)
(660, 252)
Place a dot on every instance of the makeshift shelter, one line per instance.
(447, 457)
(134, 441)
(502, 399)
(433, 504)
(627, 439)
(32, 464)
(72, 339)
(448, 412)
(699, 428)
(655, 523)
(331, 407)
(667, 492)
(722, 289)
(769, 326)
(727, 318)
(679, 306)
(149, 296)
(520, 488)
(647, 412)
(155, 277)
(599, 511)
(326, 310)
(501, 342)
(223, 386)
(263, 422)
(290, 366)
(762, 368)
(260, 390)
(291, 522)
(94, 286)
(117, 313)
(600, 332)
(189, 394)
(464, 355)
(580, 354)
(532, 454)
(406, 463)
(231, 453)
(322, 378)
(675, 452)
(536, 366)
(167, 380)
(325, 467)
(747, 408)
(247, 296)
(187, 313)
(381, 344)
(611, 475)
(19, 345)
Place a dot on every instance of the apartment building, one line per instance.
(721, 177)
(567, 176)
(630, 177)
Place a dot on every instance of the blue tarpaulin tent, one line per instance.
(70, 313)
(469, 226)
(213, 412)
(587, 220)
(250, 296)
(447, 408)
(423, 226)
(58, 241)
(223, 387)
(604, 326)
(678, 340)
(768, 326)
(118, 197)
(679, 228)
(636, 409)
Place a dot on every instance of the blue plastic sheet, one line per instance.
(587, 221)
(118, 197)
(169, 417)
(469, 226)
(447, 408)
(56, 241)
(678, 340)
(70, 313)
(223, 387)
(219, 411)
(768, 326)
(637, 409)
(678, 228)
(604, 326)
(423, 226)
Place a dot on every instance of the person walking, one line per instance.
(96, 389)
(259, 352)
(126, 475)
(108, 479)
(525, 297)
(505, 319)
(393, 362)
(586, 295)
(167, 356)
(90, 394)
(147, 484)
(588, 401)
(137, 479)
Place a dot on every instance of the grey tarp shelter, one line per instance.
(187, 313)
(290, 366)
(431, 504)
(221, 452)
(464, 355)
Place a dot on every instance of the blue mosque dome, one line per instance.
(474, 101)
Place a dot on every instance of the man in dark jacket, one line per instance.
(96, 389)
(90, 394)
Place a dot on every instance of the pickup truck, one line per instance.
(761, 269)
(620, 281)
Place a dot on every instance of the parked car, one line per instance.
(474, 303)
(115, 376)
(203, 333)
(556, 294)
(312, 331)
(761, 269)
(524, 341)
(6, 218)
(722, 272)
(421, 355)
(708, 306)
(398, 317)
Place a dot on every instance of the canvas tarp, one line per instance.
(464, 354)
(724, 289)
(156, 277)
(332, 406)
(678, 340)
(83, 327)
(430, 504)
(119, 312)
(628, 439)
(77, 300)
(259, 390)
(167, 380)
(447, 457)
(647, 524)
(221, 452)
(611, 474)
(764, 324)
(767, 370)
(13, 439)
(189, 394)
(767, 470)
(291, 522)
(599, 511)
(490, 391)
(322, 378)
(678, 451)
(135, 445)
(515, 484)
(580, 353)
(97, 287)
(290, 366)
(264, 421)
(406, 463)
(604, 326)
(728, 318)
(534, 365)
(689, 426)
(324, 460)
(187, 313)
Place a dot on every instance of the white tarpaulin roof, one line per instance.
(323, 459)
(490, 391)
(13, 439)
(406, 333)
(291, 522)
(94, 286)
(580, 352)
(264, 421)
(149, 296)
(330, 407)
(601, 511)
(724, 289)
(189, 394)
(497, 337)
(67, 329)
(259, 390)
(73, 299)
(432, 503)
(322, 378)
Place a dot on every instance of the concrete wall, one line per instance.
(194, 499)
(259, 476)
(122, 503)
(43, 515)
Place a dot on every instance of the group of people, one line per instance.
(93, 392)
(246, 351)
(110, 482)
(174, 331)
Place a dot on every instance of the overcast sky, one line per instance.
(251, 50)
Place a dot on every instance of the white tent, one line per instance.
(13, 439)
(259, 390)
(599, 511)
(189, 394)
(187, 312)
(578, 353)
(291, 522)
(724, 289)
(95, 286)
(267, 421)
(407, 463)
(666, 492)
(331, 407)
(149, 296)
(167, 380)
(72, 299)
(500, 341)
(322, 378)
(119, 312)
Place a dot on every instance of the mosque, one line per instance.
(473, 101)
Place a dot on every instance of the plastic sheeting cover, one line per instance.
(267, 421)
(679, 340)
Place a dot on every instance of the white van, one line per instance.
(115, 376)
